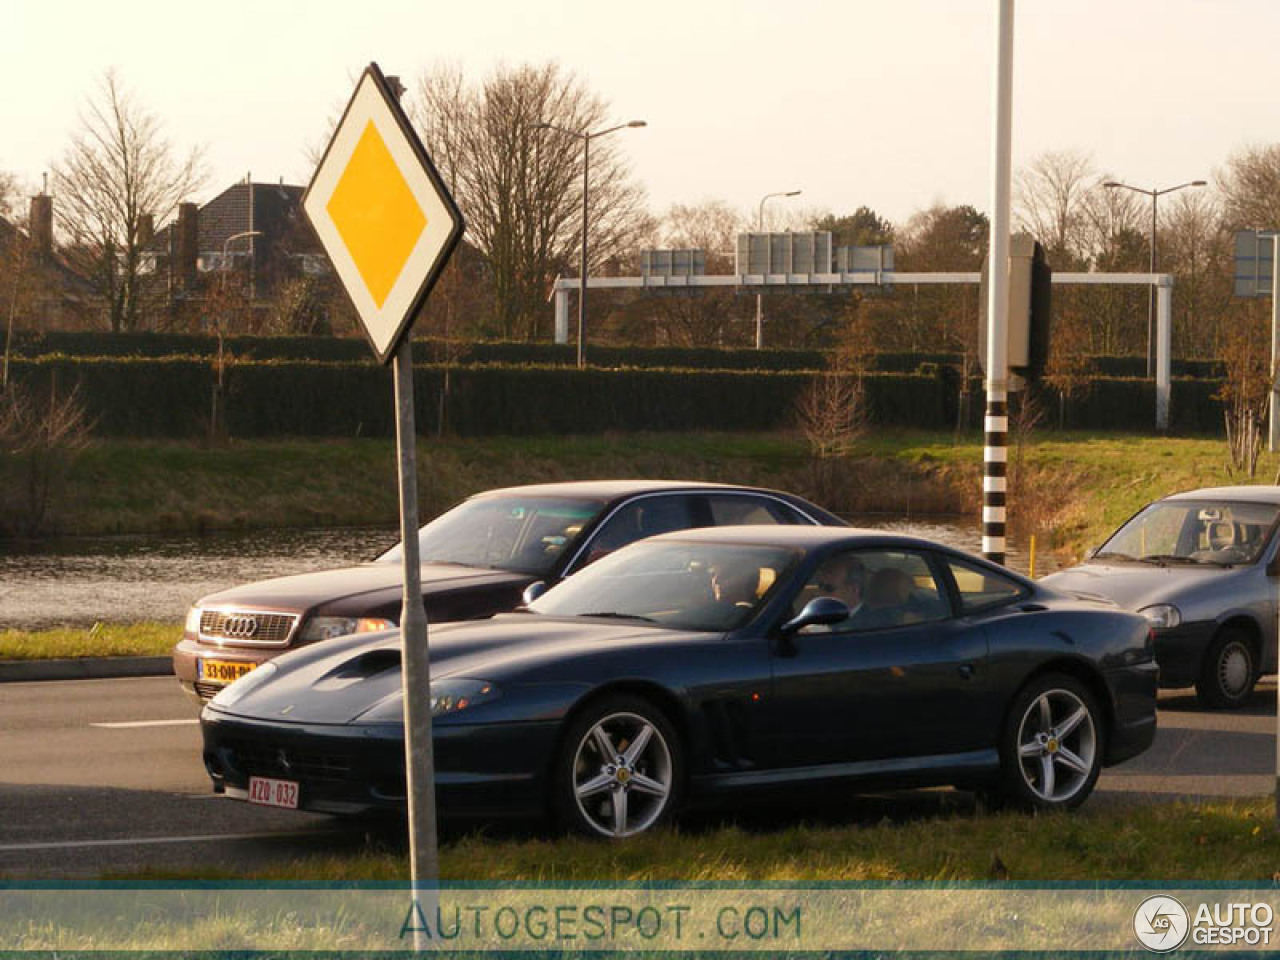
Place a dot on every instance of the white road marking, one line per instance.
(149, 841)
(129, 724)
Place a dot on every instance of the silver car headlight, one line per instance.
(193, 620)
(233, 692)
(326, 628)
(1162, 616)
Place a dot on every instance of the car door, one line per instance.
(646, 515)
(900, 678)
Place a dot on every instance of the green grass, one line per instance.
(1068, 489)
(101, 640)
(1091, 481)
(1227, 841)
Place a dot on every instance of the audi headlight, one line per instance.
(235, 691)
(192, 625)
(1162, 616)
(456, 694)
(326, 628)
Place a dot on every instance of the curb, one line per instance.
(85, 668)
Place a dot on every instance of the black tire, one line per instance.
(1062, 772)
(658, 762)
(1228, 671)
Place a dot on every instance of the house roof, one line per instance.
(273, 209)
(54, 270)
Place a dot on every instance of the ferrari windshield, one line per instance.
(1193, 532)
(519, 533)
(689, 586)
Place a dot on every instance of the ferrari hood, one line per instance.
(340, 680)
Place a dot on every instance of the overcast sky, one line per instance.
(885, 103)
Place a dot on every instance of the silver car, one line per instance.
(1202, 567)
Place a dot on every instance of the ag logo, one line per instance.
(1161, 923)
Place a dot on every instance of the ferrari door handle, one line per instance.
(965, 670)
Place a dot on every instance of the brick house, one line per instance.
(252, 238)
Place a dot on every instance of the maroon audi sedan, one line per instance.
(477, 560)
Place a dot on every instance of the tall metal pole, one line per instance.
(760, 296)
(1273, 431)
(582, 289)
(415, 654)
(996, 422)
(1164, 344)
(1151, 294)
(424, 863)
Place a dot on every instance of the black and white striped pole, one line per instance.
(995, 455)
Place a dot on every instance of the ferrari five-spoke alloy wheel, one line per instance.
(1053, 743)
(620, 773)
(1228, 674)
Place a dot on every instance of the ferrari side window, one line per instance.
(982, 589)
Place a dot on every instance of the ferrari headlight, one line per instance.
(193, 620)
(456, 694)
(326, 628)
(1162, 616)
(233, 692)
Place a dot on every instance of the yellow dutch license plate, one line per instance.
(223, 671)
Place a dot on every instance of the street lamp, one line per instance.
(586, 139)
(1151, 299)
(760, 296)
(218, 381)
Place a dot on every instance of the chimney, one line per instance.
(40, 227)
(188, 244)
(146, 229)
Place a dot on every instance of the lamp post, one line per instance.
(217, 326)
(1155, 195)
(760, 296)
(586, 138)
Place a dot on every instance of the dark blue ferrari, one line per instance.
(694, 665)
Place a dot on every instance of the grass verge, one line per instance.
(1214, 841)
(1070, 488)
(101, 640)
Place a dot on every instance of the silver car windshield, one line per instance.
(1193, 531)
(689, 586)
(517, 533)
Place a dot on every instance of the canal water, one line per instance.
(76, 582)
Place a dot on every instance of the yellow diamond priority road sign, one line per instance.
(384, 216)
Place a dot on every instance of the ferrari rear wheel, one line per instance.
(620, 771)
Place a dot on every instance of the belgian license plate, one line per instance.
(273, 793)
(223, 671)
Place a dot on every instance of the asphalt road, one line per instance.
(104, 777)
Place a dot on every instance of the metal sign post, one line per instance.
(389, 226)
(995, 453)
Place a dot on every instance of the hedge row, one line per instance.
(356, 350)
(133, 397)
(172, 398)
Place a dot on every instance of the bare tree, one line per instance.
(520, 185)
(1196, 248)
(1250, 185)
(10, 195)
(41, 435)
(1050, 197)
(19, 287)
(118, 168)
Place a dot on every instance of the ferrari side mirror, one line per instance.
(819, 610)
